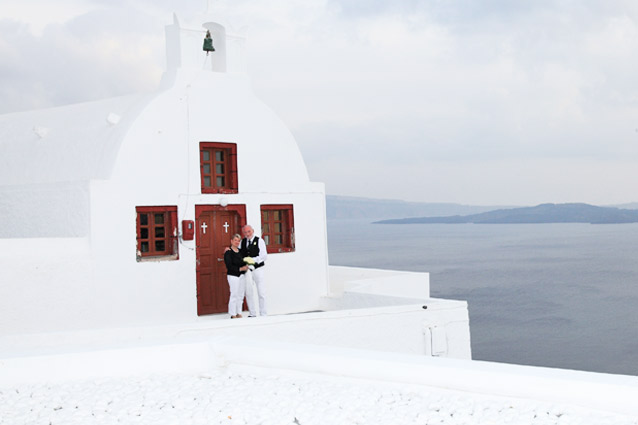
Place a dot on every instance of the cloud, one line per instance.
(96, 55)
(437, 85)
(519, 182)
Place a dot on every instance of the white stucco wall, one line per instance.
(69, 143)
(48, 158)
(398, 329)
(45, 285)
(359, 320)
(54, 210)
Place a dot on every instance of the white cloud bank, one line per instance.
(456, 101)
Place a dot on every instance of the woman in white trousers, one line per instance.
(235, 270)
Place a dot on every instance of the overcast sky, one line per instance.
(468, 101)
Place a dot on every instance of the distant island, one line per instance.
(544, 213)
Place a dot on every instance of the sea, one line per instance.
(555, 295)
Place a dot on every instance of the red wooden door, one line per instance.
(215, 226)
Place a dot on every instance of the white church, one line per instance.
(115, 215)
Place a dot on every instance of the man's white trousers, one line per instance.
(255, 288)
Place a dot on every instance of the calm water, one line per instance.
(557, 295)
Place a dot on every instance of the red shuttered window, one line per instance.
(218, 167)
(157, 232)
(278, 228)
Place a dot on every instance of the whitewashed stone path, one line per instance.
(239, 395)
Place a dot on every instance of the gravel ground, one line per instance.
(238, 395)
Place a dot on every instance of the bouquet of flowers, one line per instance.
(250, 262)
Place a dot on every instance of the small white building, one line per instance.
(116, 213)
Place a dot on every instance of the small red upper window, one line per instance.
(278, 228)
(218, 165)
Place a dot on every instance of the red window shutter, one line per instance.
(218, 167)
(156, 228)
(277, 224)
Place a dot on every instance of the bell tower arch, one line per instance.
(218, 57)
(184, 40)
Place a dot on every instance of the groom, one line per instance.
(254, 246)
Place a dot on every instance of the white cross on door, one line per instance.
(204, 226)
(226, 226)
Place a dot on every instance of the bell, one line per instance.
(208, 43)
